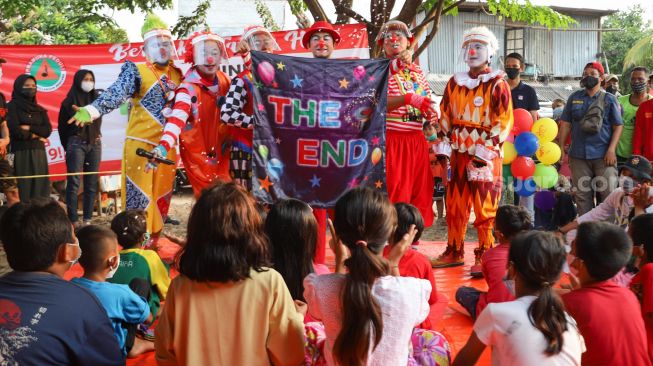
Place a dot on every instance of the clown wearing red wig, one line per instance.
(195, 116)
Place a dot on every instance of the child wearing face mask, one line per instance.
(125, 305)
(130, 226)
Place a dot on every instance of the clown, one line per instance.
(195, 115)
(321, 39)
(237, 110)
(150, 86)
(408, 173)
(476, 118)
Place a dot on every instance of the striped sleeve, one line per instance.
(232, 109)
(176, 121)
(446, 114)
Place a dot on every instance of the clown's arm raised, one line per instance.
(232, 109)
(114, 96)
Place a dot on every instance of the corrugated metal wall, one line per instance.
(538, 49)
(572, 50)
(445, 49)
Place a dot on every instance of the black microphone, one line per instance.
(146, 154)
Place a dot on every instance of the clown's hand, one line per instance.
(484, 155)
(159, 152)
(243, 48)
(82, 116)
(421, 102)
(406, 57)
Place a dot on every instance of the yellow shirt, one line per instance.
(251, 322)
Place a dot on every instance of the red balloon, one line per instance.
(522, 167)
(523, 121)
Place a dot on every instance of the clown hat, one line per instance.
(202, 36)
(483, 35)
(320, 26)
(154, 26)
(394, 25)
(256, 29)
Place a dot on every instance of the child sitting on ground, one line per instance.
(608, 315)
(533, 329)
(642, 235)
(412, 263)
(125, 308)
(135, 262)
(510, 221)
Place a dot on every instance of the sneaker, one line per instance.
(476, 270)
(171, 221)
(450, 258)
(145, 332)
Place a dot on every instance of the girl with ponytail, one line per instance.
(368, 313)
(534, 329)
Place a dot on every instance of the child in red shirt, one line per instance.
(640, 231)
(608, 315)
(510, 221)
(413, 263)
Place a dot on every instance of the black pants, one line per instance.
(142, 288)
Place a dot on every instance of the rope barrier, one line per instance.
(112, 172)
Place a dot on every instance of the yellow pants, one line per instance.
(147, 191)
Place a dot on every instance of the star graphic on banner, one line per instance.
(261, 107)
(375, 140)
(315, 181)
(378, 184)
(344, 84)
(352, 184)
(277, 140)
(296, 82)
(281, 66)
(265, 184)
(371, 78)
(258, 84)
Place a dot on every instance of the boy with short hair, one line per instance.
(608, 315)
(125, 308)
(130, 227)
(642, 285)
(47, 320)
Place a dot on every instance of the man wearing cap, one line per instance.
(634, 175)
(476, 118)
(237, 111)
(195, 116)
(9, 187)
(321, 39)
(612, 85)
(629, 105)
(592, 153)
(150, 86)
(643, 132)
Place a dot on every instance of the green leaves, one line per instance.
(518, 11)
(616, 45)
(186, 24)
(641, 54)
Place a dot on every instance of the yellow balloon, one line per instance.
(509, 152)
(549, 153)
(545, 129)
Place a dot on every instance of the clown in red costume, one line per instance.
(476, 118)
(237, 111)
(408, 172)
(195, 116)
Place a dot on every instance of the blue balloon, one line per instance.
(525, 188)
(526, 144)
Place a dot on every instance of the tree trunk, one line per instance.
(316, 10)
(342, 18)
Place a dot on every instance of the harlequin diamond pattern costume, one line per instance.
(476, 118)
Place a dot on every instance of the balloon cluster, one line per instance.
(528, 139)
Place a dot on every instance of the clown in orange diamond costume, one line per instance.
(150, 87)
(476, 118)
(195, 115)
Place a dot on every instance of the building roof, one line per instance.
(476, 5)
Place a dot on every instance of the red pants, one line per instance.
(408, 174)
(462, 195)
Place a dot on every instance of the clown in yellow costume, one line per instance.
(476, 118)
(150, 86)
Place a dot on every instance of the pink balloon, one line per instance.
(511, 138)
(266, 72)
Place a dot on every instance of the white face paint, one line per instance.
(476, 54)
(158, 49)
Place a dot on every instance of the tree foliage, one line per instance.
(641, 54)
(632, 27)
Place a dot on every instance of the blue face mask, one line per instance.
(431, 138)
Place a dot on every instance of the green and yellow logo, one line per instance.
(48, 70)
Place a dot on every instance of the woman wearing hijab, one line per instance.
(82, 144)
(29, 128)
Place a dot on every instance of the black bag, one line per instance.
(592, 122)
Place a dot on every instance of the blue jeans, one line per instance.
(82, 157)
(468, 298)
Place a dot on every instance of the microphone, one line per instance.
(146, 154)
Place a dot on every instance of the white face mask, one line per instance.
(87, 86)
(113, 270)
(476, 54)
(72, 262)
(626, 183)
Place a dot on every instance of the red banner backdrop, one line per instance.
(54, 68)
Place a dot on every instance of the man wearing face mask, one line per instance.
(476, 118)
(195, 115)
(612, 85)
(237, 111)
(643, 131)
(150, 87)
(9, 187)
(634, 176)
(629, 105)
(594, 138)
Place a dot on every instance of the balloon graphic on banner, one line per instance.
(526, 144)
(275, 168)
(525, 188)
(509, 153)
(263, 151)
(545, 200)
(545, 129)
(376, 155)
(548, 153)
(522, 167)
(523, 121)
(359, 72)
(266, 72)
(545, 176)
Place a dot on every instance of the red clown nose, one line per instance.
(321, 44)
(210, 60)
(393, 39)
(472, 52)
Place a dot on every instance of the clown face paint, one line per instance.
(321, 45)
(394, 42)
(476, 54)
(208, 55)
(262, 42)
(159, 49)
